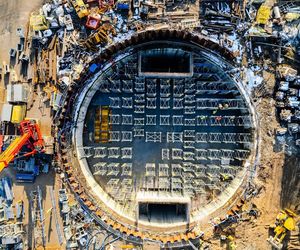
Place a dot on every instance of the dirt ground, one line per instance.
(249, 235)
(14, 14)
(276, 174)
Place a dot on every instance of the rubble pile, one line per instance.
(76, 222)
(11, 222)
(288, 102)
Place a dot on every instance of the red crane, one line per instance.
(30, 136)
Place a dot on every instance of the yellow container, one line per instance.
(18, 113)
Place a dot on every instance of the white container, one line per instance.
(6, 112)
(17, 93)
(276, 12)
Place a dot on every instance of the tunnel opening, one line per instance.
(163, 212)
(165, 60)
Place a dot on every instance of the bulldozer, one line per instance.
(285, 222)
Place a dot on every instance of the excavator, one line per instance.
(285, 222)
(101, 36)
(30, 136)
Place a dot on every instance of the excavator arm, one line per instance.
(30, 135)
(9, 154)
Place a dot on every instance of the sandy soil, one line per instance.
(14, 14)
(253, 235)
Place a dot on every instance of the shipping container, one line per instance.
(25, 177)
(6, 112)
(56, 100)
(18, 113)
(17, 93)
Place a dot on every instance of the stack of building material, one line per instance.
(17, 93)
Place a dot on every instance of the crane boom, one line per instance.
(31, 135)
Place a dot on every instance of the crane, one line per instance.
(30, 136)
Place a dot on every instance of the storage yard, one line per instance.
(149, 124)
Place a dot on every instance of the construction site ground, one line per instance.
(14, 14)
(275, 174)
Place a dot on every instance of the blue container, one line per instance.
(25, 177)
(122, 6)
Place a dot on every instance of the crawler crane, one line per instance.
(30, 136)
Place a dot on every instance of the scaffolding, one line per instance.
(164, 184)
(178, 103)
(100, 168)
(150, 169)
(114, 152)
(126, 136)
(163, 169)
(165, 90)
(182, 118)
(127, 102)
(176, 185)
(114, 136)
(153, 136)
(174, 137)
(177, 120)
(139, 98)
(127, 120)
(113, 169)
(140, 84)
(178, 88)
(115, 102)
(126, 169)
(139, 132)
(164, 120)
(151, 103)
(139, 122)
(151, 88)
(164, 103)
(177, 153)
(126, 153)
(151, 120)
(176, 169)
(214, 103)
(127, 86)
(100, 152)
(165, 154)
(115, 119)
(115, 86)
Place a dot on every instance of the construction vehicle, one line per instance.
(30, 136)
(230, 243)
(38, 22)
(226, 177)
(285, 222)
(101, 36)
(80, 8)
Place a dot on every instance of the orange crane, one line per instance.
(30, 136)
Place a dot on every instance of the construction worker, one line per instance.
(218, 118)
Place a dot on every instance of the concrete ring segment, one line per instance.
(164, 138)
